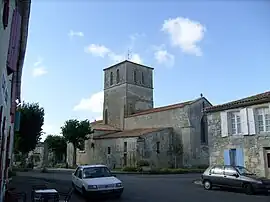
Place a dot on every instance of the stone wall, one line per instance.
(186, 124)
(254, 145)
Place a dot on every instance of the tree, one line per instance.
(31, 122)
(76, 132)
(57, 145)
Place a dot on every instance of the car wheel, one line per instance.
(207, 185)
(248, 189)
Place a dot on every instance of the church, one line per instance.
(132, 130)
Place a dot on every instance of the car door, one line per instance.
(79, 178)
(231, 177)
(75, 177)
(216, 175)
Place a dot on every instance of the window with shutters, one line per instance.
(135, 76)
(235, 123)
(263, 119)
(142, 78)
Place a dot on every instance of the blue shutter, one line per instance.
(240, 157)
(226, 157)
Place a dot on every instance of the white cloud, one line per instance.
(72, 34)
(185, 34)
(38, 62)
(39, 71)
(103, 51)
(93, 104)
(164, 57)
(97, 50)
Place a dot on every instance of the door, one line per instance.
(267, 162)
(79, 179)
(216, 175)
(75, 177)
(230, 179)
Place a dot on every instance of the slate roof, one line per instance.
(99, 125)
(130, 133)
(248, 101)
(164, 108)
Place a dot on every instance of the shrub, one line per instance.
(44, 170)
(143, 163)
(129, 169)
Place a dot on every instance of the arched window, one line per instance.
(142, 78)
(111, 79)
(106, 116)
(203, 130)
(135, 76)
(117, 76)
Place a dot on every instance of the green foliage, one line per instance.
(76, 132)
(130, 169)
(142, 163)
(31, 122)
(57, 145)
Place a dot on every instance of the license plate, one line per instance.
(107, 191)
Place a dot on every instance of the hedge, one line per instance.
(166, 170)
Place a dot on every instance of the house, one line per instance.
(239, 133)
(13, 39)
(132, 129)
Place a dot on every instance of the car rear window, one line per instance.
(219, 170)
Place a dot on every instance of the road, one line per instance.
(147, 188)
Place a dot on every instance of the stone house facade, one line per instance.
(239, 133)
(132, 129)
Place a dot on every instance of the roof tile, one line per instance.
(251, 100)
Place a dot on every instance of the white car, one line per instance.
(96, 180)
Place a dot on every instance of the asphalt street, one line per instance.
(144, 188)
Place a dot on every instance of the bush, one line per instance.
(177, 171)
(143, 163)
(130, 169)
(44, 170)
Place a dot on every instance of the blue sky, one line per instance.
(216, 48)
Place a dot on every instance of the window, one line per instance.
(96, 172)
(77, 171)
(109, 150)
(233, 157)
(268, 159)
(117, 76)
(135, 76)
(111, 78)
(5, 14)
(125, 146)
(229, 171)
(218, 170)
(142, 78)
(106, 116)
(203, 130)
(80, 174)
(158, 147)
(263, 119)
(235, 121)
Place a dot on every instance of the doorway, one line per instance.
(267, 163)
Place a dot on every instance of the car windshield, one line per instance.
(244, 171)
(95, 172)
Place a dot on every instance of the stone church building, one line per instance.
(133, 130)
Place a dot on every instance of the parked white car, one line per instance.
(96, 180)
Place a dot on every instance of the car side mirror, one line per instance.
(236, 175)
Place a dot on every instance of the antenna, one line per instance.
(129, 55)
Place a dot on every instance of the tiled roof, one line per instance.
(99, 125)
(164, 108)
(255, 99)
(129, 133)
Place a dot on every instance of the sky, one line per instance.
(218, 48)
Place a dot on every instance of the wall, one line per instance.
(199, 150)
(186, 124)
(253, 145)
(147, 149)
(126, 97)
